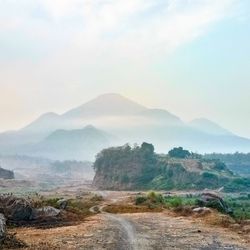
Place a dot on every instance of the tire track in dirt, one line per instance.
(126, 227)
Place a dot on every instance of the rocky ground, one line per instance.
(135, 231)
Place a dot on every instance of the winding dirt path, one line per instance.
(127, 229)
(150, 231)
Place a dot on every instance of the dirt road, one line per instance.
(146, 231)
(150, 231)
(134, 231)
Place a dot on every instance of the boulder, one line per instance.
(2, 228)
(202, 210)
(15, 209)
(44, 213)
(62, 204)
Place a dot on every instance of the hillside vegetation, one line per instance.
(237, 162)
(127, 168)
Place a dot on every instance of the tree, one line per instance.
(179, 153)
(147, 148)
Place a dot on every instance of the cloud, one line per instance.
(129, 29)
(55, 49)
(66, 37)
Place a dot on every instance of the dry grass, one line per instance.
(183, 211)
(130, 208)
(43, 246)
(217, 219)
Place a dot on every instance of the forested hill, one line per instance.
(127, 168)
(237, 162)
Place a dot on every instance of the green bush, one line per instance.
(179, 153)
(240, 206)
(174, 201)
(140, 200)
(219, 165)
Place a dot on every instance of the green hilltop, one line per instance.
(140, 168)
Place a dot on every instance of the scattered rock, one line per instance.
(88, 235)
(2, 228)
(62, 204)
(201, 209)
(44, 213)
(20, 211)
(15, 209)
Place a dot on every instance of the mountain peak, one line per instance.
(110, 104)
(49, 115)
(90, 127)
(110, 95)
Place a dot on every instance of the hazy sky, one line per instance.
(191, 57)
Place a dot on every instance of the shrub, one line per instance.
(155, 198)
(179, 153)
(219, 165)
(174, 201)
(216, 205)
(140, 200)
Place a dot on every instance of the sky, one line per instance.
(191, 57)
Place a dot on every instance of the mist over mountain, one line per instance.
(116, 120)
(210, 127)
(73, 144)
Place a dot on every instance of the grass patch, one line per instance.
(156, 199)
(173, 202)
(130, 208)
(152, 200)
(240, 207)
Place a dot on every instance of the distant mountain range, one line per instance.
(115, 120)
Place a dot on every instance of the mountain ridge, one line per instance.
(75, 144)
(209, 126)
(130, 122)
